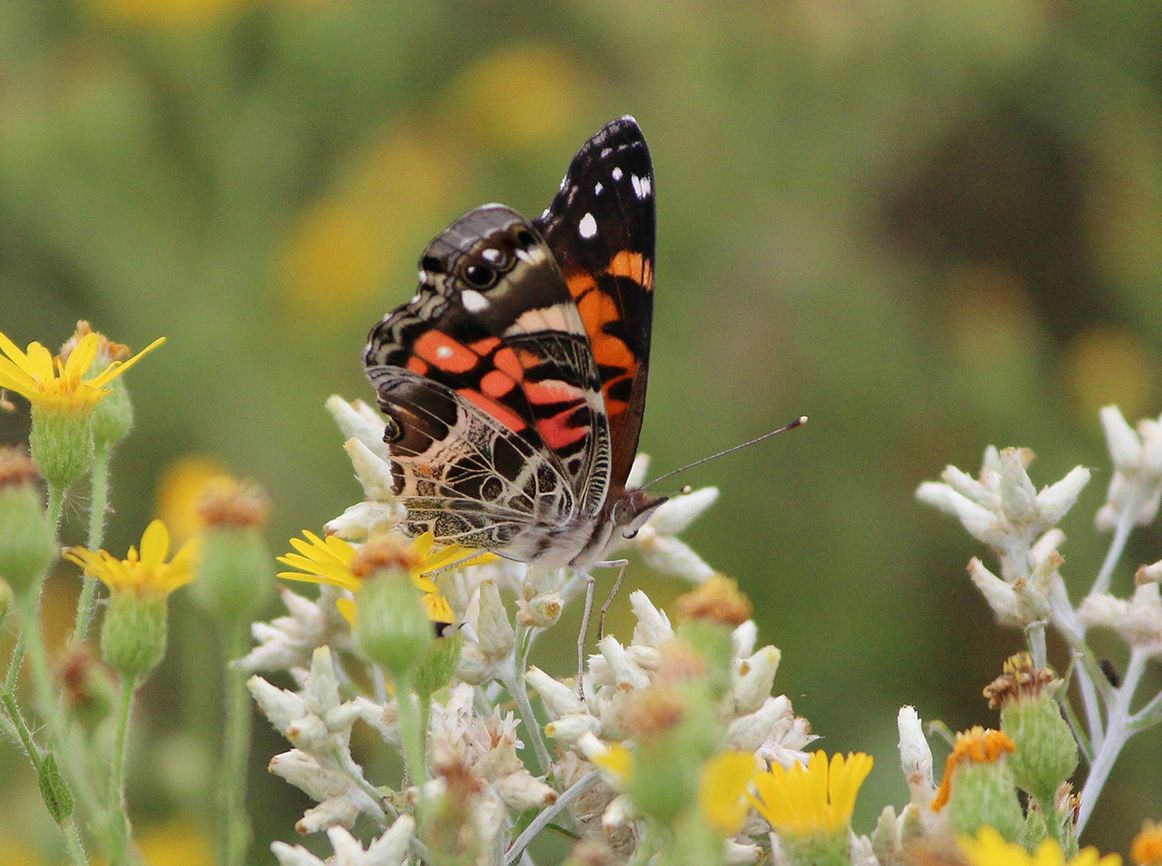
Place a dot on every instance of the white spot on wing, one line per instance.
(616, 173)
(587, 228)
(416, 297)
(647, 188)
(443, 351)
(597, 188)
(473, 302)
(490, 254)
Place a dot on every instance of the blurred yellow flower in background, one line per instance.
(179, 491)
(1104, 365)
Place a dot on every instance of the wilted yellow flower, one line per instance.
(818, 798)
(976, 745)
(144, 573)
(989, 848)
(60, 385)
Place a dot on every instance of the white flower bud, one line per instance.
(494, 633)
(372, 471)
(752, 679)
(558, 698)
(1018, 495)
(981, 523)
(570, 728)
(626, 674)
(969, 487)
(653, 626)
(741, 853)
(359, 420)
(1151, 572)
(744, 638)
(915, 757)
(999, 594)
(1055, 500)
(1102, 610)
(767, 724)
(1123, 443)
(617, 814)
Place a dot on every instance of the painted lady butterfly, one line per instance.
(514, 382)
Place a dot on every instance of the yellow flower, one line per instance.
(818, 798)
(617, 761)
(722, 790)
(144, 573)
(976, 745)
(989, 848)
(1146, 849)
(331, 560)
(59, 384)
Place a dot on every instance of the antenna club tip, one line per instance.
(798, 422)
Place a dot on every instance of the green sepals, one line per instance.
(436, 670)
(712, 640)
(235, 580)
(27, 540)
(112, 416)
(984, 794)
(133, 635)
(817, 849)
(695, 844)
(1046, 753)
(58, 799)
(667, 766)
(392, 627)
(61, 443)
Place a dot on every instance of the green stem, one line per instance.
(234, 833)
(121, 831)
(73, 843)
(56, 501)
(100, 493)
(410, 733)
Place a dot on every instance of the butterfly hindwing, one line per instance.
(601, 229)
(492, 327)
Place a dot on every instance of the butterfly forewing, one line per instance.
(601, 229)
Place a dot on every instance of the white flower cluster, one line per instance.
(1003, 509)
(474, 758)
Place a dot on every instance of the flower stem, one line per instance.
(56, 501)
(548, 814)
(410, 732)
(234, 832)
(1122, 531)
(121, 832)
(98, 506)
(1118, 730)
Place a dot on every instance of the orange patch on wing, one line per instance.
(494, 383)
(444, 353)
(579, 283)
(633, 266)
(499, 411)
(557, 433)
(506, 361)
(485, 345)
(418, 365)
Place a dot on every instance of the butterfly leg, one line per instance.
(620, 565)
(585, 612)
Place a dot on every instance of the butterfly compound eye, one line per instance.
(525, 239)
(480, 276)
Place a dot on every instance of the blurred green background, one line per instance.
(928, 226)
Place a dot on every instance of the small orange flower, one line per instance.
(976, 745)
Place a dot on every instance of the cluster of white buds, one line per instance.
(1003, 509)
(1136, 486)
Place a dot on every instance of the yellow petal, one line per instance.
(118, 367)
(81, 358)
(154, 544)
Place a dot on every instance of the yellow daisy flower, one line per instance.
(818, 798)
(331, 560)
(144, 573)
(59, 384)
(989, 848)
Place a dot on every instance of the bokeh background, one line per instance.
(928, 226)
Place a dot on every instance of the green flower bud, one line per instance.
(436, 670)
(61, 442)
(235, 580)
(392, 627)
(820, 849)
(113, 416)
(27, 541)
(984, 793)
(133, 635)
(87, 685)
(1046, 753)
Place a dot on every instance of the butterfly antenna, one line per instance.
(790, 425)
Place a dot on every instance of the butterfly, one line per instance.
(514, 382)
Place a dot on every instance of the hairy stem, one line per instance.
(97, 508)
(234, 831)
(516, 849)
(120, 829)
